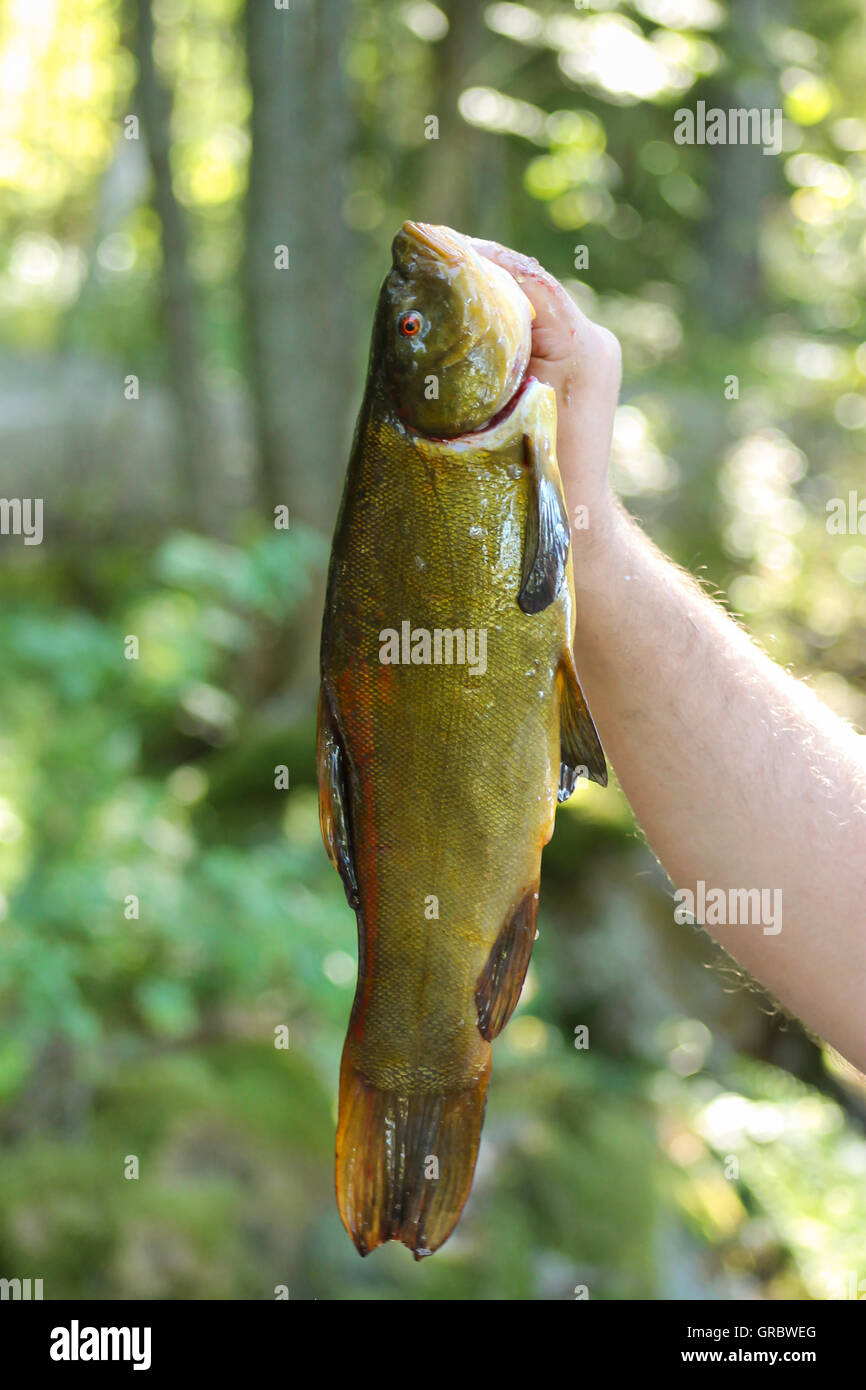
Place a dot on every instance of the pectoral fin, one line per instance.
(334, 800)
(545, 546)
(580, 748)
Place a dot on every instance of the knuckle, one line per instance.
(608, 346)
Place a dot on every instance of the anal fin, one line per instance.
(501, 980)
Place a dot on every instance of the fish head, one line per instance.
(453, 333)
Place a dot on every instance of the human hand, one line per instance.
(582, 361)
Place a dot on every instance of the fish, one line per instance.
(440, 770)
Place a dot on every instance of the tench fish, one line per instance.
(451, 721)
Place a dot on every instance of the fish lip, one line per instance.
(436, 239)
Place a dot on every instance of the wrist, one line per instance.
(605, 549)
(596, 518)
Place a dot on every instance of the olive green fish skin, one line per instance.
(453, 776)
(439, 779)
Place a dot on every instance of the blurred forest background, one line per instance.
(164, 387)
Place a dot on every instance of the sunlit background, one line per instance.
(165, 907)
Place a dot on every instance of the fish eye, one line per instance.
(410, 324)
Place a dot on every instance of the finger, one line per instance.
(560, 328)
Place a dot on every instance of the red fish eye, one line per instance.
(410, 324)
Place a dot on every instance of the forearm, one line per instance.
(738, 775)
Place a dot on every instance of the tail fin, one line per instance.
(388, 1186)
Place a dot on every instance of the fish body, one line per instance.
(451, 722)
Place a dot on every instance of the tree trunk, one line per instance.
(731, 289)
(179, 299)
(463, 183)
(299, 318)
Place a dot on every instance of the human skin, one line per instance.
(737, 773)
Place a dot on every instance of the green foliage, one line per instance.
(164, 907)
